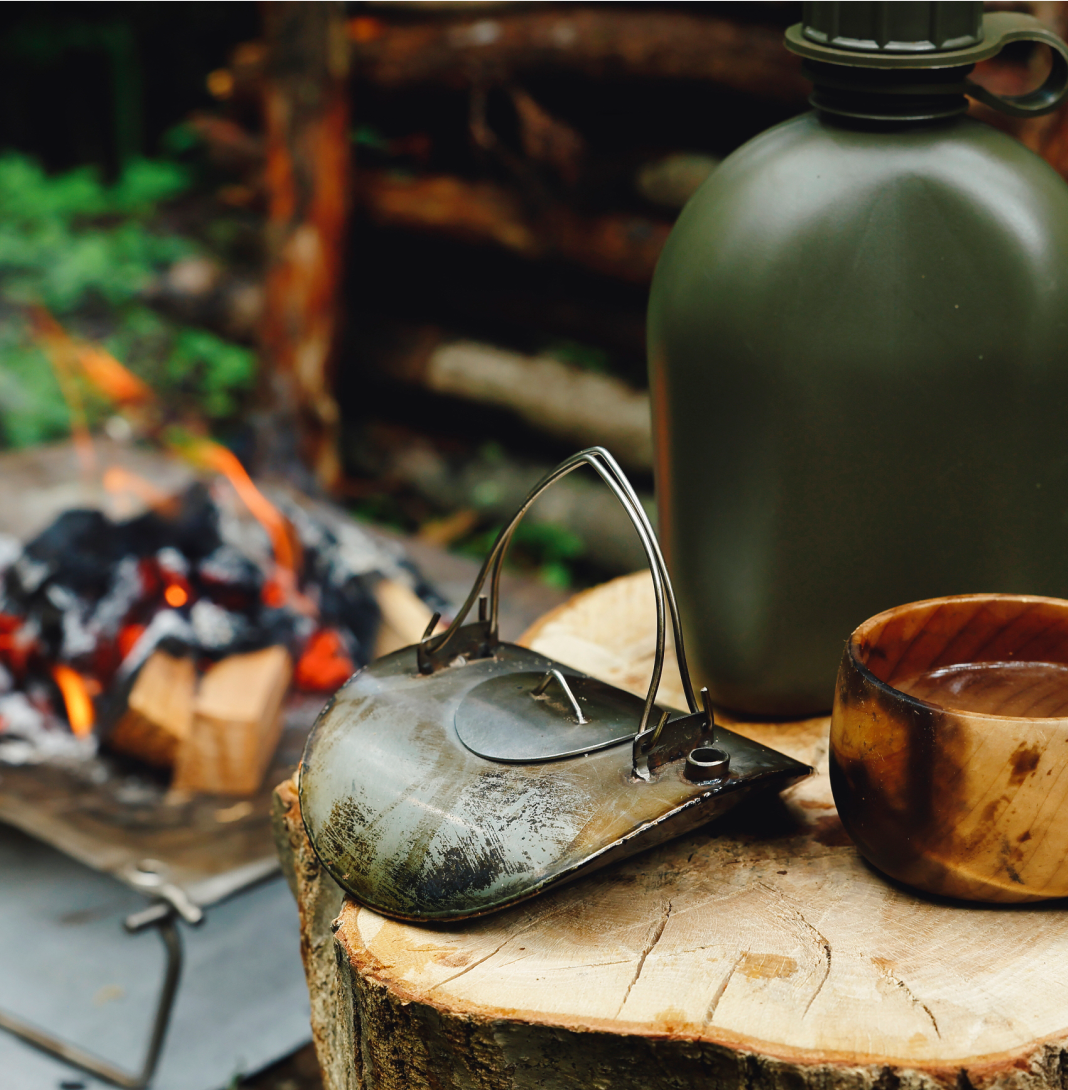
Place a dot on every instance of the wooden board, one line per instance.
(760, 951)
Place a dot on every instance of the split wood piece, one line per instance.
(597, 40)
(159, 711)
(237, 722)
(626, 247)
(581, 407)
(404, 617)
(306, 107)
(760, 952)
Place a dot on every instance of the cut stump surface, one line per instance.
(759, 951)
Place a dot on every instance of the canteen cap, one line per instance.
(893, 27)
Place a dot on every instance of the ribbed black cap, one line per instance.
(903, 27)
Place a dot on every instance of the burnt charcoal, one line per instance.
(10, 550)
(283, 626)
(171, 562)
(126, 589)
(352, 606)
(192, 529)
(78, 549)
(169, 630)
(230, 578)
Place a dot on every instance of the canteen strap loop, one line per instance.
(1010, 26)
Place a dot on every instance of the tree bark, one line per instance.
(307, 179)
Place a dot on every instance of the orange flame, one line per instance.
(98, 365)
(110, 377)
(60, 348)
(80, 711)
(116, 480)
(217, 457)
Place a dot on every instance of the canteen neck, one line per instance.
(887, 95)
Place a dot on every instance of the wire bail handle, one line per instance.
(483, 633)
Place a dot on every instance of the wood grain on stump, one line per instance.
(759, 952)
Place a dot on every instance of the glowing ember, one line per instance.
(325, 663)
(175, 596)
(80, 711)
(128, 636)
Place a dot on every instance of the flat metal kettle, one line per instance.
(858, 357)
(464, 774)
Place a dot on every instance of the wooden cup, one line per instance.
(960, 803)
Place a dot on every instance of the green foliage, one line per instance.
(70, 241)
(586, 356)
(87, 251)
(32, 409)
(548, 548)
(217, 369)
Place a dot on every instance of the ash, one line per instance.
(196, 577)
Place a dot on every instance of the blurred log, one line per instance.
(583, 408)
(237, 722)
(484, 212)
(306, 104)
(600, 40)
(404, 617)
(159, 711)
(200, 291)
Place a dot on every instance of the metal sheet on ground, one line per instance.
(69, 968)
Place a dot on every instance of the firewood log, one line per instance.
(598, 40)
(159, 711)
(485, 212)
(237, 721)
(760, 953)
(580, 407)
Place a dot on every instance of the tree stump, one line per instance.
(760, 951)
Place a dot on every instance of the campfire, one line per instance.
(173, 636)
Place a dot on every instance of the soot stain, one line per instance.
(1024, 761)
